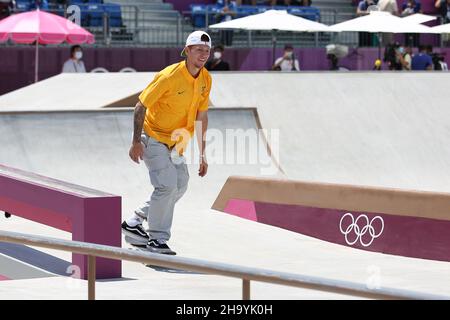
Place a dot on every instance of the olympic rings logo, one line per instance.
(360, 230)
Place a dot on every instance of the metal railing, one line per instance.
(194, 265)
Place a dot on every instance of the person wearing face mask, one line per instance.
(74, 64)
(287, 62)
(402, 60)
(406, 57)
(216, 63)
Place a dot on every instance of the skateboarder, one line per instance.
(164, 119)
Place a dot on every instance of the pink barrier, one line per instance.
(398, 235)
(392, 221)
(90, 215)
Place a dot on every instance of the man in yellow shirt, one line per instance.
(169, 108)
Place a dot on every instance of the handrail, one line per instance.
(195, 265)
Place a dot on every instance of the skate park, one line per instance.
(375, 132)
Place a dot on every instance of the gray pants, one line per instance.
(169, 176)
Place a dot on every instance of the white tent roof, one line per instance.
(419, 18)
(272, 20)
(379, 21)
(443, 28)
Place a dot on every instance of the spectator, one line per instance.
(444, 9)
(444, 65)
(74, 64)
(287, 62)
(392, 56)
(334, 66)
(388, 6)
(363, 7)
(422, 61)
(438, 59)
(410, 7)
(403, 56)
(216, 63)
(334, 53)
(227, 12)
(407, 58)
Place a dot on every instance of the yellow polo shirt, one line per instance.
(172, 100)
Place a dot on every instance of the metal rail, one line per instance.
(194, 265)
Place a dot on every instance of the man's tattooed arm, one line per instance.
(139, 115)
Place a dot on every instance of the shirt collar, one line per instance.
(186, 72)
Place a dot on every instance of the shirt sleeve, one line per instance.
(155, 90)
(204, 100)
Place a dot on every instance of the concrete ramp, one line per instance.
(71, 91)
(376, 129)
(362, 128)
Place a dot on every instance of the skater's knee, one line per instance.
(165, 191)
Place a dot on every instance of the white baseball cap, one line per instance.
(197, 38)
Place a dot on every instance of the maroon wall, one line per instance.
(17, 63)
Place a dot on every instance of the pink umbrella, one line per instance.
(46, 28)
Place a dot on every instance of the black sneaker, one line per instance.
(159, 246)
(136, 243)
(137, 233)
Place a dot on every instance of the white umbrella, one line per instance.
(443, 28)
(419, 18)
(379, 21)
(272, 20)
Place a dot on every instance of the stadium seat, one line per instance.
(115, 14)
(199, 14)
(23, 5)
(246, 10)
(91, 15)
(310, 13)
